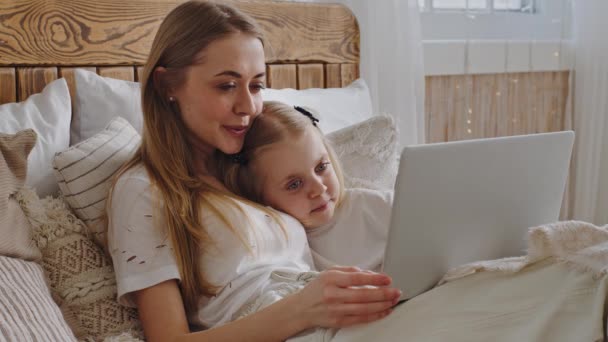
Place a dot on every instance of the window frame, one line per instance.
(489, 8)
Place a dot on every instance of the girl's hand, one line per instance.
(345, 296)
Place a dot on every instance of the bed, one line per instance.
(312, 55)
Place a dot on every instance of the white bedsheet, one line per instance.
(555, 293)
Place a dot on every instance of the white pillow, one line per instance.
(368, 152)
(84, 171)
(98, 100)
(48, 114)
(337, 107)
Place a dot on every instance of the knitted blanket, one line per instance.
(579, 244)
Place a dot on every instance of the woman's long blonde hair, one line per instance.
(165, 151)
(278, 122)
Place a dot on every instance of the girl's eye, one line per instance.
(322, 167)
(294, 185)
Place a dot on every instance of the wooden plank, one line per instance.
(494, 104)
(482, 118)
(552, 97)
(500, 99)
(305, 31)
(33, 80)
(282, 76)
(120, 73)
(543, 93)
(332, 76)
(68, 74)
(310, 76)
(8, 85)
(348, 73)
(139, 71)
(118, 32)
(507, 122)
(437, 110)
(560, 121)
(459, 106)
(526, 105)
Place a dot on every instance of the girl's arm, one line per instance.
(328, 301)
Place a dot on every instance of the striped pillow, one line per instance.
(84, 171)
(27, 311)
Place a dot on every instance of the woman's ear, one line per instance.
(158, 78)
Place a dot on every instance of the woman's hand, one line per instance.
(345, 296)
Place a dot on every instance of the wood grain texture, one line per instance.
(348, 73)
(282, 76)
(120, 73)
(306, 31)
(478, 106)
(118, 32)
(332, 76)
(8, 85)
(139, 73)
(33, 80)
(311, 76)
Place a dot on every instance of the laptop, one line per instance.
(465, 201)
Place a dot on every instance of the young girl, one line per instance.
(287, 164)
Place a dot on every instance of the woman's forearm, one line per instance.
(276, 322)
(335, 299)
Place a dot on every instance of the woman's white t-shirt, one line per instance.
(143, 254)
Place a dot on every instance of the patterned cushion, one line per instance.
(27, 310)
(84, 171)
(80, 274)
(368, 152)
(15, 230)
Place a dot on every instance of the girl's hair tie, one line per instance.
(307, 113)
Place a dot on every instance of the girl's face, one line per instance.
(297, 178)
(221, 96)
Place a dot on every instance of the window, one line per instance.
(521, 6)
(489, 36)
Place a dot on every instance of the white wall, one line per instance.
(477, 42)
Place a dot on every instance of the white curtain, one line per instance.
(391, 61)
(589, 179)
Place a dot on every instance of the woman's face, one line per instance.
(222, 95)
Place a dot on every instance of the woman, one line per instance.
(185, 249)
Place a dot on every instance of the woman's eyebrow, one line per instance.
(237, 75)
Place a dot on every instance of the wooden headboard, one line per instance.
(307, 44)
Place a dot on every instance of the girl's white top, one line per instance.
(357, 234)
(143, 253)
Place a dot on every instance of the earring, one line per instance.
(171, 99)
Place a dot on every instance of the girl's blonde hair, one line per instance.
(278, 122)
(165, 151)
